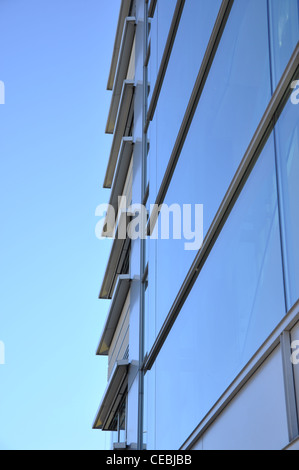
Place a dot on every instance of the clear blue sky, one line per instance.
(54, 60)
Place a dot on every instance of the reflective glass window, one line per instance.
(195, 28)
(233, 102)
(284, 32)
(287, 139)
(236, 303)
(159, 30)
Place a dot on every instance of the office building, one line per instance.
(202, 344)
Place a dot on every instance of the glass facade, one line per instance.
(235, 304)
(159, 29)
(199, 317)
(250, 279)
(284, 33)
(195, 27)
(287, 142)
(234, 99)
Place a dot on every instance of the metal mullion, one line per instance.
(279, 176)
(140, 428)
(118, 427)
(285, 340)
(126, 417)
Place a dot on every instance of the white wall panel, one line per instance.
(256, 418)
(295, 337)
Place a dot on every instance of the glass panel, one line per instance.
(118, 425)
(114, 437)
(160, 26)
(114, 424)
(287, 139)
(284, 28)
(232, 104)
(114, 428)
(235, 304)
(164, 13)
(196, 25)
(122, 423)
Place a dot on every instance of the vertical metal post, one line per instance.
(285, 339)
(142, 241)
(279, 177)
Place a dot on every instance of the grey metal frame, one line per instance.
(120, 175)
(117, 255)
(152, 7)
(121, 292)
(121, 129)
(142, 241)
(294, 445)
(123, 13)
(121, 445)
(121, 71)
(113, 395)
